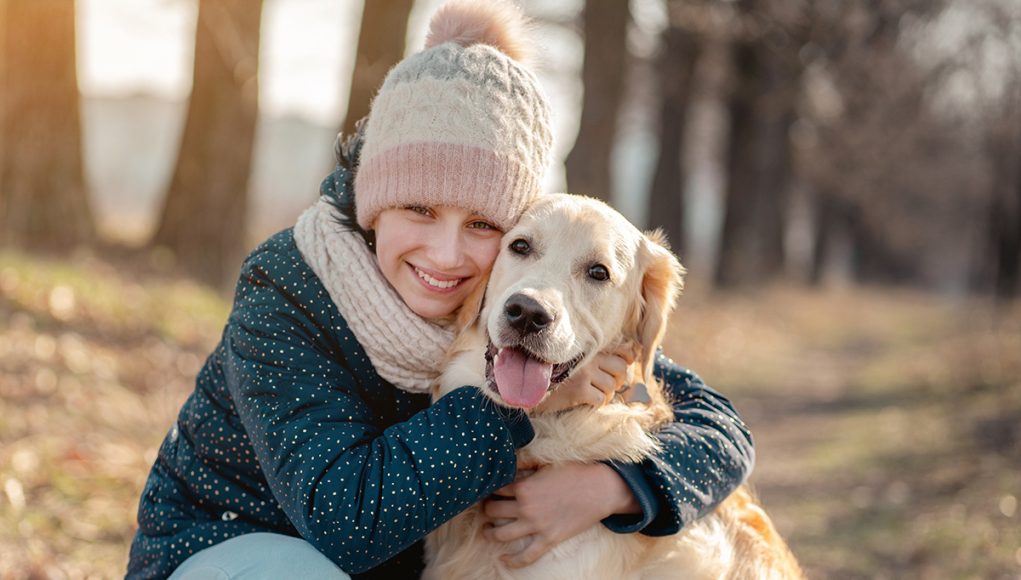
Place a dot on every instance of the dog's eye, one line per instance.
(520, 247)
(598, 272)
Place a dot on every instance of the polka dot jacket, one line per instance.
(290, 430)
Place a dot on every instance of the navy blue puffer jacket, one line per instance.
(291, 430)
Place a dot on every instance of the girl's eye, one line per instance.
(481, 225)
(421, 210)
(598, 272)
(520, 247)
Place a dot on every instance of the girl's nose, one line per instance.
(447, 248)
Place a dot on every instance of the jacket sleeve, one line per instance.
(707, 453)
(359, 493)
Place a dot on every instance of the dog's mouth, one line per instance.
(521, 378)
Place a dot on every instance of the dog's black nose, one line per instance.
(525, 314)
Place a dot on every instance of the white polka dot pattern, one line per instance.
(290, 430)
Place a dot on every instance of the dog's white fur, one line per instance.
(567, 236)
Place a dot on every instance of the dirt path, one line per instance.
(888, 444)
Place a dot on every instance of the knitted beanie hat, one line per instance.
(461, 123)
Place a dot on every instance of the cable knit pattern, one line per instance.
(406, 349)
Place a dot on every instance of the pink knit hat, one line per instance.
(461, 123)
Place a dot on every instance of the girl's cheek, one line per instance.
(488, 253)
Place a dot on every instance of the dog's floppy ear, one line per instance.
(662, 282)
(472, 306)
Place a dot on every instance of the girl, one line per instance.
(309, 448)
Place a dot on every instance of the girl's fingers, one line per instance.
(535, 550)
(523, 473)
(508, 490)
(591, 392)
(507, 532)
(613, 364)
(605, 386)
(497, 509)
(616, 367)
(629, 356)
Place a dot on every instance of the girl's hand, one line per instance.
(552, 504)
(594, 384)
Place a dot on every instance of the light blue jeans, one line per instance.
(259, 556)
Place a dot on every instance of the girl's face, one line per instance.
(435, 256)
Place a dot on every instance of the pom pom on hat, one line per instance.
(462, 123)
(467, 22)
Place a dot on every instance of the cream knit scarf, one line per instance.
(406, 349)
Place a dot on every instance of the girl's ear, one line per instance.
(662, 282)
(472, 306)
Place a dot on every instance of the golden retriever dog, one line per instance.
(575, 278)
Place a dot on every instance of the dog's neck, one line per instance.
(465, 363)
(617, 431)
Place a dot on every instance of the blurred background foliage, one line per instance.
(841, 177)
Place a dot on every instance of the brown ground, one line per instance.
(887, 423)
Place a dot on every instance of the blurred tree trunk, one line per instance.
(605, 28)
(204, 213)
(759, 165)
(876, 146)
(676, 69)
(1005, 218)
(849, 248)
(43, 198)
(381, 45)
(1010, 256)
(875, 258)
(825, 221)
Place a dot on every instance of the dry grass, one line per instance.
(93, 366)
(887, 423)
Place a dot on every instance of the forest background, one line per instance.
(842, 179)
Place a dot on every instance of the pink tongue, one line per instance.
(522, 380)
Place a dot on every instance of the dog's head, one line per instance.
(574, 278)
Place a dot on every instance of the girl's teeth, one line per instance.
(437, 283)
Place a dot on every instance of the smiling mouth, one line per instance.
(521, 378)
(436, 283)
